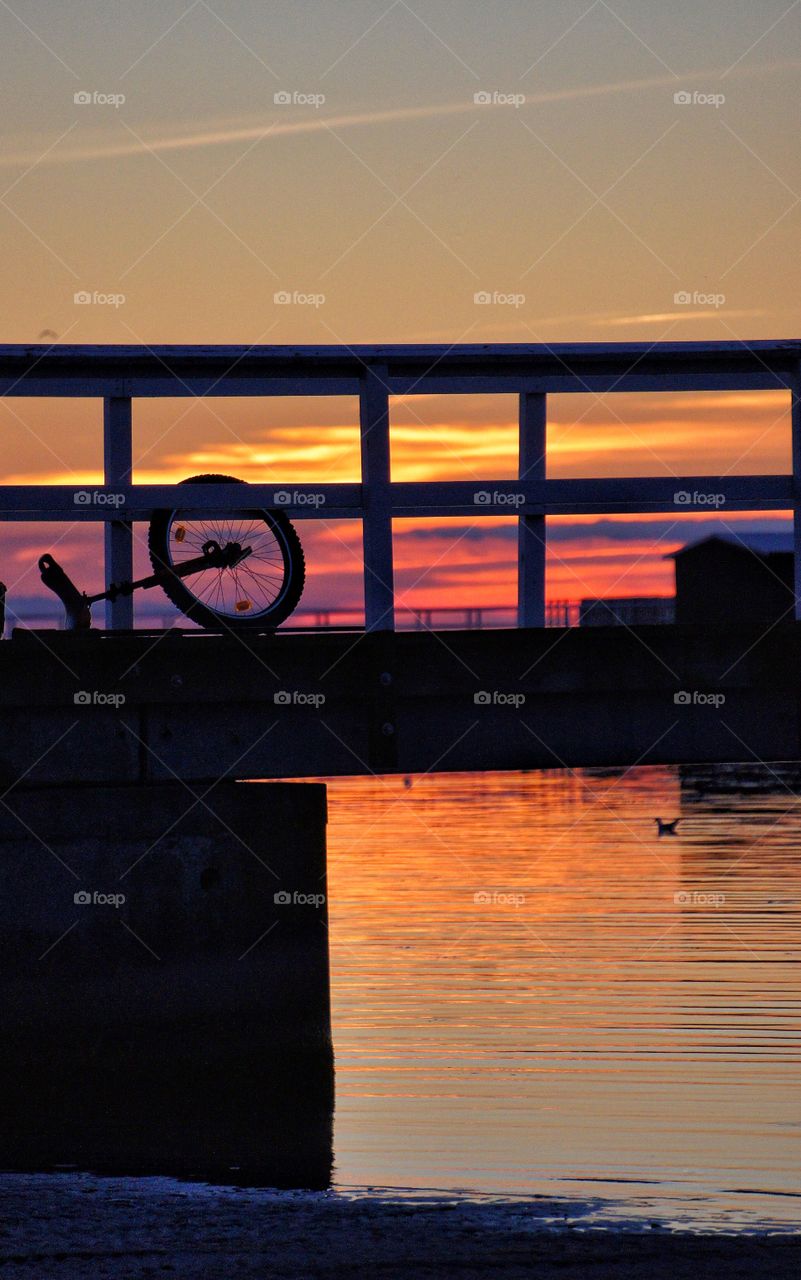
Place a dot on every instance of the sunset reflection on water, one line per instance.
(532, 993)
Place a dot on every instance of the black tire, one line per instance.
(287, 577)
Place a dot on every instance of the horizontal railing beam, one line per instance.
(603, 382)
(669, 494)
(138, 502)
(186, 371)
(88, 384)
(422, 499)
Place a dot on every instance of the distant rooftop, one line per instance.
(761, 544)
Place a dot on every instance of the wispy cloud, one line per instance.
(660, 317)
(279, 128)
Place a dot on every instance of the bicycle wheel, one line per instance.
(259, 593)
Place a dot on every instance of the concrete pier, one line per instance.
(109, 708)
(164, 982)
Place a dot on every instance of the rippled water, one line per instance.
(533, 994)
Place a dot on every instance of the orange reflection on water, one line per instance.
(533, 993)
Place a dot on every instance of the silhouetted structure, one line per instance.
(721, 580)
(626, 611)
(777, 777)
(166, 1009)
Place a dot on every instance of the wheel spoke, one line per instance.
(260, 578)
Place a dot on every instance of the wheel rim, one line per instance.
(254, 588)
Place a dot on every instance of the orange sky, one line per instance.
(600, 173)
(442, 562)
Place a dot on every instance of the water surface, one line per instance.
(533, 994)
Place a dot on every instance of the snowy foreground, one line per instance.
(76, 1225)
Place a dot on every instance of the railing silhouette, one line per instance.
(558, 613)
(622, 611)
(121, 374)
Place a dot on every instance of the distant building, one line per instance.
(626, 611)
(725, 579)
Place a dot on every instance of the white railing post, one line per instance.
(117, 468)
(531, 529)
(379, 590)
(796, 485)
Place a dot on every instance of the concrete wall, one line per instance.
(184, 1027)
(210, 706)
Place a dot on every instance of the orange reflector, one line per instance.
(242, 606)
(180, 533)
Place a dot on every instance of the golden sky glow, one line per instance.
(627, 172)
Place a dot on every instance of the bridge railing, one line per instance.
(558, 613)
(121, 374)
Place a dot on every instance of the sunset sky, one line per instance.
(234, 153)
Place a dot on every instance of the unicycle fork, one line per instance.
(78, 605)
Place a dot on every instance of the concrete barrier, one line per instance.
(164, 983)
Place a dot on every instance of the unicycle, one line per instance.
(241, 570)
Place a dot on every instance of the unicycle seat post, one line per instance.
(77, 609)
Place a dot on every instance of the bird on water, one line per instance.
(664, 828)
